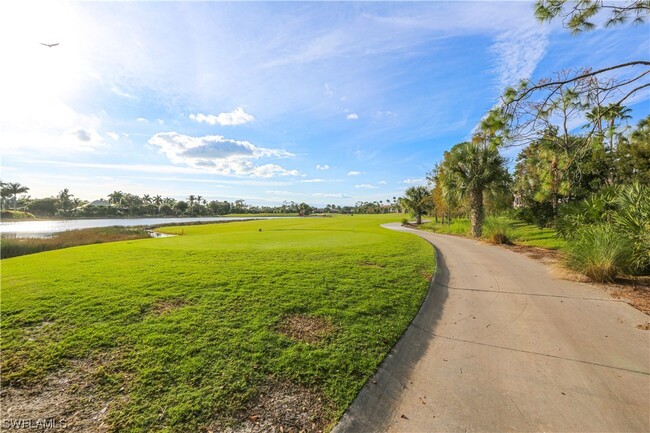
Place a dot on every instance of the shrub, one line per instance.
(405, 221)
(497, 230)
(599, 252)
(12, 246)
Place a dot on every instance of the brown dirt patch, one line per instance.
(282, 407)
(427, 275)
(302, 327)
(542, 254)
(371, 265)
(165, 306)
(68, 399)
(633, 290)
(645, 326)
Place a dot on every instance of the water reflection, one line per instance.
(42, 229)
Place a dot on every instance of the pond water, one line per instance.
(37, 229)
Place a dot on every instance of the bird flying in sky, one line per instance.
(50, 45)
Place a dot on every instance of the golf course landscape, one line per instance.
(258, 323)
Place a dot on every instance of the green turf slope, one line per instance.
(187, 326)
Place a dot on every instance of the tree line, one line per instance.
(120, 203)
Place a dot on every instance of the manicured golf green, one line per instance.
(188, 329)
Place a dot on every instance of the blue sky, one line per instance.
(267, 102)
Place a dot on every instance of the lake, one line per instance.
(38, 229)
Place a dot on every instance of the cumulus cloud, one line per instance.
(352, 116)
(217, 154)
(322, 167)
(236, 117)
(312, 180)
(82, 138)
(354, 173)
(142, 120)
(366, 185)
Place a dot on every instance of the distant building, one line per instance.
(99, 203)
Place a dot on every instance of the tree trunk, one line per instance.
(554, 187)
(419, 218)
(477, 213)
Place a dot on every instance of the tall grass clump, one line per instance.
(13, 247)
(620, 214)
(599, 252)
(498, 230)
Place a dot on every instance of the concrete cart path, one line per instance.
(500, 345)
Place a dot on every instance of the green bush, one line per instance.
(498, 230)
(599, 252)
(405, 221)
(626, 209)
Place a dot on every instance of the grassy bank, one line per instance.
(13, 247)
(263, 323)
(518, 232)
(15, 215)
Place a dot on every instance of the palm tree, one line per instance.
(157, 201)
(468, 170)
(65, 200)
(116, 198)
(191, 200)
(418, 201)
(5, 193)
(14, 189)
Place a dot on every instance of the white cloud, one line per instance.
(216, 154)
(352, 116)
(114, 135)
(382, 182)
(322, 167)
(366, 185)
(280, 192)
(519, 50)
(414, 181)
(385, 114)
(236, 117)
(142, 120)
(312, 180)
(354, 173)
(122, 93)
(330, 195)
(81, 139)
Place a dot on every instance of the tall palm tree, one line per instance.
(14, 189)
(614, 115)
(5, 194)
(116, 198)
(65, 200)
(191, 200)
(469, 169)
(418, 200)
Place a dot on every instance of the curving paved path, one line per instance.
(501, 346)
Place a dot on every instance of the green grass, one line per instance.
(228, 286)
(519, 233)
(259, 215)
